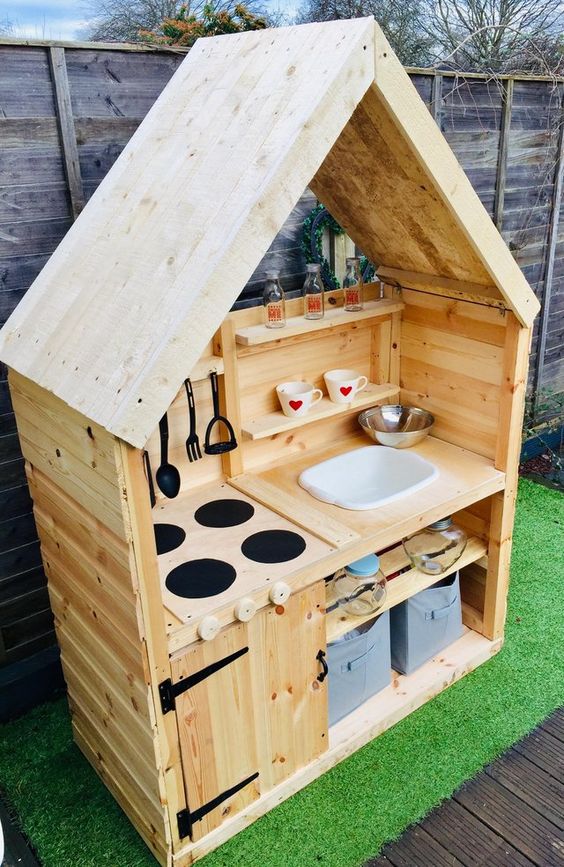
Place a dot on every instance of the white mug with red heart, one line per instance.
(344, 385)
(297, 398)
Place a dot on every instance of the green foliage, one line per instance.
(185, 27)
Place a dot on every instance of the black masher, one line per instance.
(222, 446)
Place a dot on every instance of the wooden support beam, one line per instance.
(507, 108)
(550, 256)
(445, 286)
(66, 128)
(512, 402)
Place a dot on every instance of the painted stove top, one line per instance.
(214, 545)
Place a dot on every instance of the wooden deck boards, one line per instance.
(509, 815)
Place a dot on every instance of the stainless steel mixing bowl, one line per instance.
(397, 426)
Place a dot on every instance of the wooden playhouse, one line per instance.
(198, 736)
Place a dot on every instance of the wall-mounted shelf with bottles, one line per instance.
(297, 326)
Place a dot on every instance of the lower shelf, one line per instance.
(402, 587)
(406, 694)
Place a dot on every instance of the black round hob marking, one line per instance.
(197, 579)
(168, 537)
(273, 546)
(224, 513)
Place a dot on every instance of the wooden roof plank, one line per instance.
(127, 303)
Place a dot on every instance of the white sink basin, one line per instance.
(368, 477)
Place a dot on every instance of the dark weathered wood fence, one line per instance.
(66, 111)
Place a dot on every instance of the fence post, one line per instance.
(66, 128)
(507, 107)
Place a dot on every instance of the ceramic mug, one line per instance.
(344, 385)
(297, 398)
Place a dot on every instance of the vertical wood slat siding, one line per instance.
(501, 141)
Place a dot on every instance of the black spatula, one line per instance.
(223, 445)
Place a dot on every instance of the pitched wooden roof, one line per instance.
(127, 303)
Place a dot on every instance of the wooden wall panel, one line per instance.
(454, 367)
(86, 550)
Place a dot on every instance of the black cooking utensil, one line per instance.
(149, 475)
(192, 443)
(168, 477)
(224, 445)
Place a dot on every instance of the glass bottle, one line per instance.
(273, 301)
(313, 293)
(352, 285)
(360, 587)
(436, 548)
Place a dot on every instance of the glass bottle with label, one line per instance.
(352, 286)
(273, 301)
(313, 293)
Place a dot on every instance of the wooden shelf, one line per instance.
(276, 422)
(255, 335)
(407, 584)
(408, 692)
(204, 366)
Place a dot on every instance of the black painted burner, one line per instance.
(197, 579)
(224, 513)
(168, 537)
(273, 546)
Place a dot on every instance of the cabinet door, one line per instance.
(290, 701)
(216, 728)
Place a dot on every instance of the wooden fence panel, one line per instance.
(65, 115)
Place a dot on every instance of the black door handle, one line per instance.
(321, 658)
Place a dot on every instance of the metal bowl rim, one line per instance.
(416, 410)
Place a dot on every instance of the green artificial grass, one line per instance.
(344, 817)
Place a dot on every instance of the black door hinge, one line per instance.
(186, 819)
(168, 691)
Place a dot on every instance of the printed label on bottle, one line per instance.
(352, 295)
(313, 304)
(274, 313)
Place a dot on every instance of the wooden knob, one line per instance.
(245, 609)
(279, 593)
(208, 628)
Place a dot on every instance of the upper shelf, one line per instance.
(254, 335)
(276, 422)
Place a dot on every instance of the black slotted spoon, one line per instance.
(223, 445)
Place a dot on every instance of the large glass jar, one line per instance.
(360, 587)
(436, 548)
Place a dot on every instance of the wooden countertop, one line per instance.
(464, 478)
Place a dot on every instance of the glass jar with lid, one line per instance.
(436, 548)
(360, 587)
(273, 300)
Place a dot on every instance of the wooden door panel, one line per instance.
(290, 703)
(216, 727)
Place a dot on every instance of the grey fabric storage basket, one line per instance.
(423, 625)
(359, 666)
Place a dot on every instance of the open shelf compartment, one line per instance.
(276, 422)
(400, 588)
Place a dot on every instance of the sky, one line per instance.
(59, 19)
